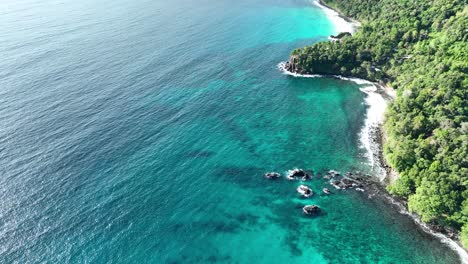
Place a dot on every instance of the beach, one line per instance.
(340, 21)
(372, 136)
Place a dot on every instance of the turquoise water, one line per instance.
(139, 131)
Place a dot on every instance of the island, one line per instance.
(420, 49)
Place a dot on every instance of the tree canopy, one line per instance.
(419, 48)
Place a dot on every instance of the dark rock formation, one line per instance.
(311, 210)
(298, 173)
(272, 175)
(305, 191)
(293, 65)
(340, 35)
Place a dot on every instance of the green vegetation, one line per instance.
(464, 236)
(420, 48)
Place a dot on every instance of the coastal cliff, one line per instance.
(419, 48)
(293, 65)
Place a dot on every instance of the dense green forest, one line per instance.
(419, 48)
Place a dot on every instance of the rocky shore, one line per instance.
(376, 187)
(384, 174)
(378, 190)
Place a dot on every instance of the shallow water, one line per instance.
(139, 131)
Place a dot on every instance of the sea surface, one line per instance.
(139, 132)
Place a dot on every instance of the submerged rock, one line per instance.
(272, 175)
(346, 183)
(308, 175)
(336, 184)
(332, 173)
(311, 210)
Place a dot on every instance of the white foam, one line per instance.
(340, 24)
(375, 101)
(357, 80)
(374, 117)
(282, 67)
(442, 238)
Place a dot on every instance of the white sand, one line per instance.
(341, 25)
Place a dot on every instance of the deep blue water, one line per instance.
(139, 131)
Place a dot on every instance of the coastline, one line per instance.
(342, 23)
(373, 137)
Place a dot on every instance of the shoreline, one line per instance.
(341, 22)
(374, 135)
(377, 97)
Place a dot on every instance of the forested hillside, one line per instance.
(420, 48)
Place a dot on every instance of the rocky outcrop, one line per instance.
(272, 175)
(347, 181)
(339, 36)
(305, 191)
(311, 210)
(298, 173)
(293, 65)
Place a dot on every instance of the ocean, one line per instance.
(139, 132)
